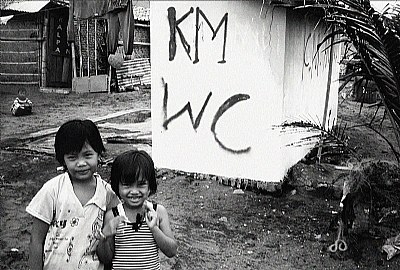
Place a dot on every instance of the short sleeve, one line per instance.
(42, 204)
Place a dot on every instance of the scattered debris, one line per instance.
(131, 140)
(238, 191)
(15, 253)
(223, 219)
(392, 246)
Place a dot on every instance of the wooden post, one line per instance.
(328, 92)
(109, 80)
(109, 66)
(39, 51)
(73, 59)
(71, 36)
(44, 49)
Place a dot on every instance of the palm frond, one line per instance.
(376, 37)
(333, 140)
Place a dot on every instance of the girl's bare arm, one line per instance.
(105, 248)
(38, 235)
(161, 230)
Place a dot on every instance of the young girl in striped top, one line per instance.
(137, 229)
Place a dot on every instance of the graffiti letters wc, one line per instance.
(229, 103)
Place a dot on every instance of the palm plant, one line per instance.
(376, 38)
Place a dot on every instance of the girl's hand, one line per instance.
(151, 215)
(111, 227)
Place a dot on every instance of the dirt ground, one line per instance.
(216, 226)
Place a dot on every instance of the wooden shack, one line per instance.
(35, 50)
(33, 44)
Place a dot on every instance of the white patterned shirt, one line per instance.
(71, 239)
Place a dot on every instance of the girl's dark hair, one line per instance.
(72, 135)
(129, 166)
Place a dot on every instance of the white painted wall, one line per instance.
(306, 81)
(246, 141)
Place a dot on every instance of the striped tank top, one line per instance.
(135, 249)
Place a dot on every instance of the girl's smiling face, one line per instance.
(82, 165)
(134, 194)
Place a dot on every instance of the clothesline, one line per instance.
(84, 9)
(119, 15)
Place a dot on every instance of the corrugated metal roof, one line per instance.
(134, 72)
(85, 9)
(27, 6)
(32, 6)
(291, 3)
(5, 19)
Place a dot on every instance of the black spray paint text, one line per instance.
(196, 122)
(174, 27)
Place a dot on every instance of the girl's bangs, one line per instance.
(130, 175)
(139, 167)
(74, 144)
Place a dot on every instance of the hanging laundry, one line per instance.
(84, 9)
(119, 14)
(120, 18)
(70, 26)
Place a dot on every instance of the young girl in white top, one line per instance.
(68, 210)
(21, 105)
(136, 229)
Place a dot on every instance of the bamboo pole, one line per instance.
(80, 49)
(20, 39)
(25, 52)
(87, 47)
(95, 46)
(18, 63)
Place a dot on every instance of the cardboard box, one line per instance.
(92, 84)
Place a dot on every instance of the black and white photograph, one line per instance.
(229, 134)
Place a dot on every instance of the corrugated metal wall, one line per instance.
(134, 72)
(137, 71)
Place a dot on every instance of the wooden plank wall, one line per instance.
(20, 44)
